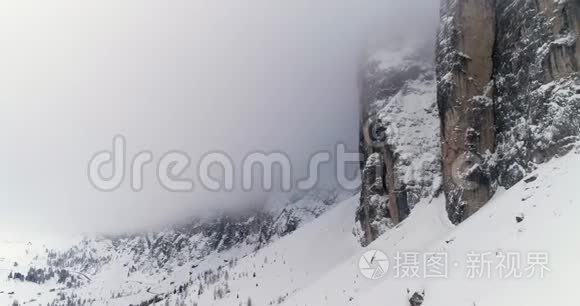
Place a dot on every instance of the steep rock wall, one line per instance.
(507, 98)
(536, 64)
(464, 71)
(508, 89)
(399, 136)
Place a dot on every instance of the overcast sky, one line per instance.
(195, 76)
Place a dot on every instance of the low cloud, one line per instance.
(194, 76)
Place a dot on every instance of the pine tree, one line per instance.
(200, 290)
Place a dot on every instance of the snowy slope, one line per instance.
(17, 254)
(145, 267)
(290, 264)
(318, 263)
(549, 206)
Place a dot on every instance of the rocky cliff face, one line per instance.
(507, 95)
(399, 136)
(465, 70)
(507, 76)
(536, 82)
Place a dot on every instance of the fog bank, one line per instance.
(194, 76)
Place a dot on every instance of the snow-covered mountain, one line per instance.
(136, 268)
(536, 216)
(318, 264)
(399, 135)
(469, 161)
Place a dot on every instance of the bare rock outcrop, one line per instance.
(502, 96)
(399, 136)
(508, 92)
(464, 75)
(536, 89)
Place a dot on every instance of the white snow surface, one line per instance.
(413, 131)
(549, 207)
(407, 106)
(318, 263)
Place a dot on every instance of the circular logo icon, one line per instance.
(373, 264)
(464, 170)
(374, 133)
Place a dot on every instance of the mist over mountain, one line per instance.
(180, 75)
(416, 153)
